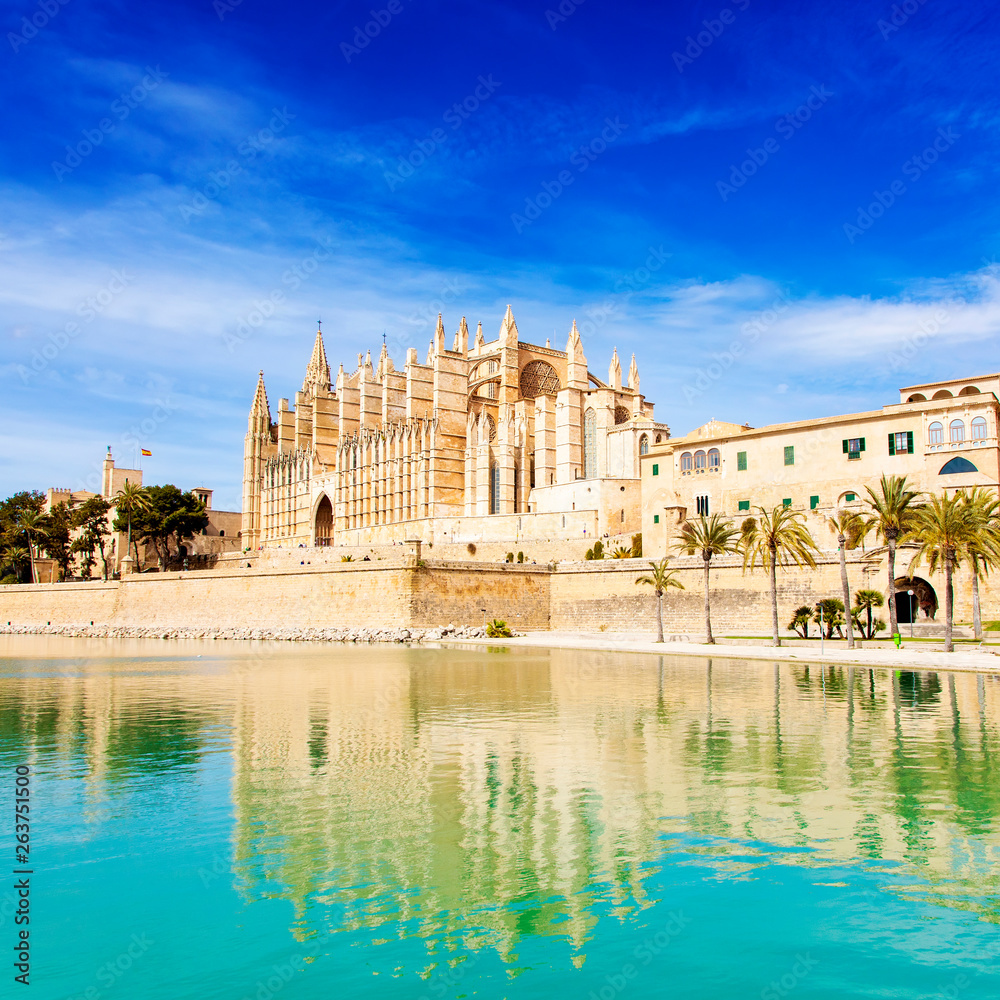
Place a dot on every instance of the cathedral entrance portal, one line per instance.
(324, 522)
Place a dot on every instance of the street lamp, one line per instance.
(909, 594)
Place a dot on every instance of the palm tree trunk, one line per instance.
(659, 616)
(708, 614)
(891, 595)
(31, 557)
(774, 600)
(949, 604)
(977, 617)
(847, 591)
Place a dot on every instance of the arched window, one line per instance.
(590, 444)
(699, 460)
(942, 394)
(935, 433)
(657, 438)
(917, 397)
(957, 431)
(714, 459)
(686, 462)
(644, 444)
(492, 425)
(969, 390)
(979, 429)
(538, 379)
(495, 488)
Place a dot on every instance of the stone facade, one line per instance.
(448, 448)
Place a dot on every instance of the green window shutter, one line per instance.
(744, 505)
(850, 497)
(656, 519)
(846, 449)
(813, 503)
(741, 461)
(909, 442)
(787, 502)
(656, 469)
(789, 454)
(892, 444)
(862, 444)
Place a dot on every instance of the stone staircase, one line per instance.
(933, 630)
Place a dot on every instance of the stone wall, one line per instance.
(579, 596)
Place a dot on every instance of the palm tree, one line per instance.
(865, 600)
(850, 529)
(33, 525)
(709, 536)
(779, 539)
(891, 514)
(942, 528)
(660, 579)
(131, 500)
(14, 559)
(983, 546)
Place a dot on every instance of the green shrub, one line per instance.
(510, 557)
(498, 629)
(637, 546)
(597, 552)
(520, 557)
(347, 558)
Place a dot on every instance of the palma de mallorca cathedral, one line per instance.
(488, 441)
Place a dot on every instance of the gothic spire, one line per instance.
(633, 375)
(318, 371)
(508, 328)
(480, 341)
(615, 371)
(260, 411)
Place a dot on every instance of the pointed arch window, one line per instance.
(495, 487)
(644, 445)
(590, 444)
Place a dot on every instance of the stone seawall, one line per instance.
(581, 596)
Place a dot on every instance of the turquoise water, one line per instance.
(221, 820)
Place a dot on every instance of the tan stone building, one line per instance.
(941, 436)
(221, 534)
(482, 441)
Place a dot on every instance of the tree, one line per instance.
(781, 538)
(708, 536)
(12, 537)
(891, 513)
(864, 601)
(637, 546)
(130, 502)
(850, 529)
(32, 524)
(800, 620)
(833, 616)
(982, 548)
(660, 579)
(91, 518)
(942, 528)
(597, 552)
(58, 536)
(169, 514)
(15, 558)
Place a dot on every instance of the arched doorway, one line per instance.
(324, 522)
(922, 605)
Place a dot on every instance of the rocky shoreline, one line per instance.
(356, 635)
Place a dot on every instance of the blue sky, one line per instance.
(691, 182)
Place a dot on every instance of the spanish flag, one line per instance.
(145, 452)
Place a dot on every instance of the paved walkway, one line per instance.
(911, 656)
